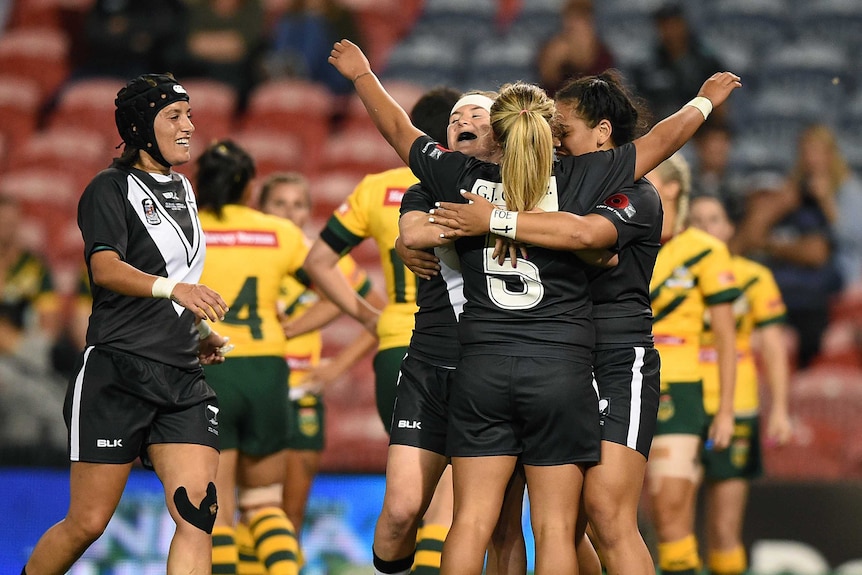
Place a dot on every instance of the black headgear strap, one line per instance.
(137, 104)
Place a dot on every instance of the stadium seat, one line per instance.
(19, 108)
(496, 61)
(359, 150)
(88, 104)
(40, 54)
(213, 105)
(272, 151)
(837, 21)
(292, 106)
(82, 153)
(809, 71)
(754, 25)
(456, 20)
(331, 188)
(405, 93)
(425, 60)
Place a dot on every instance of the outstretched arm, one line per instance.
(673, 132)
(390, 118)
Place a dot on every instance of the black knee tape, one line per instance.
(202, 517)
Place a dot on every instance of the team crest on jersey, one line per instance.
(681, 278)
(393, 196)
(309, 423)
(343, 208)
(666, 407)
(150, 213)
(433, 150)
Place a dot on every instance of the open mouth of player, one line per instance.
(466, 136)
(183, 142)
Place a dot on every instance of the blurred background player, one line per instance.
(250, 254)
(692, 278)
(759, 312)
(287, 195)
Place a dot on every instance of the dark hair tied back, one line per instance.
(606, 97)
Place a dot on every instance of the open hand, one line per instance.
(719, 86)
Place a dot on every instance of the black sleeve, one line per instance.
(598, 175)
(102, 214)
(635, 211)
(440, 170)
(416, 199)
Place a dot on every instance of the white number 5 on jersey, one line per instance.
(526, 274)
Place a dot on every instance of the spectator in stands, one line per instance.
(576, 50)
(31, 394)
(711, 174)
(680, 63)
(25, 278)
(225, 41)
(793, 230)
(302, 39)
(823, 169)
(126, 38)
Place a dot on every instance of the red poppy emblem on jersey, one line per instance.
(617, 201)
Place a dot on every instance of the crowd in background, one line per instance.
(796, 199)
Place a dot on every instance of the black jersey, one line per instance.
(152, 223)
(622, 312)
(440, 299)
(541, 307)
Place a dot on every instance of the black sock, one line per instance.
(396, 566)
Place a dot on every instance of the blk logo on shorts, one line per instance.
(109, 443)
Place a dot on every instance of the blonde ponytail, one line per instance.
(520, 118)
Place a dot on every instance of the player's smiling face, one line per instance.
(173, 129)
(469, 132)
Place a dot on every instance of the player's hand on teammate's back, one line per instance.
(422, 263)
(470, 219)
(204, 302)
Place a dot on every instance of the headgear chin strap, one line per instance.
(137, 104)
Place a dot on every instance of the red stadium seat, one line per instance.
(405, 93)
(330, 189)
(81, 152)
(360, 150)
(37, 53)
(213, 105)
(272, 151)
(19, 108)
(296, 107)
(89, 104)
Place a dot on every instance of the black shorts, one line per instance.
(543, 410)
(118, 404)
(421, 406)
(627, 382)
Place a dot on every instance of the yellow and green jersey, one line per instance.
(372, 211)
(759, 304)
(28, 281)
(303, 352)
(692, 272)
(248, 255)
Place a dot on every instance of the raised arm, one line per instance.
(673, 132)
(390, 118)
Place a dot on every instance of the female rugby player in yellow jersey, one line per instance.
(287, 195)
(692, 277)
(760, 315)
(248, 255)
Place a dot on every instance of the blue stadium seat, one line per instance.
(426, 60)
(808, 70)
(497, 61)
